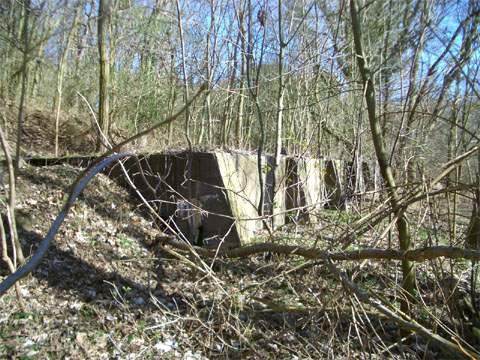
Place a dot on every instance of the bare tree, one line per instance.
(408, 268)
(61, 69)
(104, 9)
(23, 94)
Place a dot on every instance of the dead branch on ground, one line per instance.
(417, 255)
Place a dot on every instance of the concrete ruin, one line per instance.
(305, 191)
(214, 196)
(218, 192)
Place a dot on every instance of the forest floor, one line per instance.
(105, 291)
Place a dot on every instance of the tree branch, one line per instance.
(417, 255)
(83, 179)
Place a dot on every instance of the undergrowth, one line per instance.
(104, 291)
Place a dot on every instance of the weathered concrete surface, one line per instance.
(335, 183)
(242, 185)
(305, 188)
(314, 184)
(222, 187)
(216, 194)
(360, 176)
(275, 194)
(242, 188)
(188, 191)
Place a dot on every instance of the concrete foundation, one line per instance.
(305, 188)
(214, 196)
(335, 183)
(216, 192)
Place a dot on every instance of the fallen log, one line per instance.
(417, 255)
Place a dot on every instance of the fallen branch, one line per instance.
(397, 316)
(403, 320)
(417, 255)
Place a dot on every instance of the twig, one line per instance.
(16, 248)
(401, 319)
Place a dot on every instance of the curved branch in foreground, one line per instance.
(79, 185)
(45, 243)
(417, 255)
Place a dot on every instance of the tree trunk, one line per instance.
(241, 101)
(57, 102)
(112, 55)
(172, 95)
(104, 79)
(253, 87)
(21, 110)
(408, 268)
(227, 110)
(209, 55)
(281, 89)
(185, 78)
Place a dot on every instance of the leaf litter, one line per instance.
(103, 291)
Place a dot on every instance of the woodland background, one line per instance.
(395, 82)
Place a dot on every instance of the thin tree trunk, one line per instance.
(81, 45)
(18, 257)
(241, 101)
(453, 177)
(104, 80)
(281, 89)
(184, 75)
(21, 110)
(113, 39)
(408, 112)
(208, 111)
(35, 73)
(5, 87)
(228, 106)
(408, 268)
(279, 117)
(190, 191)
(209, 51)
(17, 249)
(60, 72)
(172, 96)
(254, 96)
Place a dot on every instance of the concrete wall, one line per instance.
(225, 186)
(242, 188)
(305, 188)
(241, 181)
(275, 190)
(221, 190)
(184, 186)
(335, 182)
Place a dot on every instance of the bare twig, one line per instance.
(400, 318)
